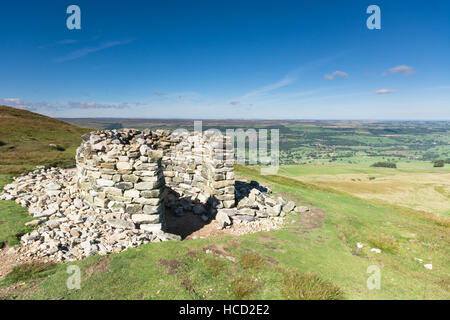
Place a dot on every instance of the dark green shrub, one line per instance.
(382, 164)
(438, 163)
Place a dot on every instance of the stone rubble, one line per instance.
(241, 227)
(67, 227)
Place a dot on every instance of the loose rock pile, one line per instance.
(253, 202)
(67, 227)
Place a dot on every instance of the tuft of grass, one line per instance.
(444, 283)
(251, 261)
(438, 220)
(29, 271)
(384, 243)
(215, 266)
(243, 287)
(309, 286)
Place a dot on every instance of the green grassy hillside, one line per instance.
(312, 257)
(25, 138)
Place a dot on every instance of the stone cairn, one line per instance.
(131, 175)
(125, 181)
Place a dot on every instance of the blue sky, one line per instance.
(227, 59)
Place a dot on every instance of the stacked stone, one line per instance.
(183, 165)
(219, 169)
(128, 173)
(199, 173)
(119, 173)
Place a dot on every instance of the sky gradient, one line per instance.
(227, 59)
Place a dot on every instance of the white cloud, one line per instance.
(385, 91)
(32, 106)
(95, 105)
(17, 103)
(287, 80)
(67, 41)
(290, 78)
(335, 74)
(402, 69)
(85, 51)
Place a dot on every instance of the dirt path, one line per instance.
(8, 260)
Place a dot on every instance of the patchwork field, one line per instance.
(312, 142)
(411, 186)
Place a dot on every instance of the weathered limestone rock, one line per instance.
(120, 224)
(301, 209)
(151, 227)
(288, 207)
(145, 218)
(223, 219)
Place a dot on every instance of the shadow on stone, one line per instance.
(243, 189)
(183, 216)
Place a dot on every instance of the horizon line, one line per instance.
(255, 119)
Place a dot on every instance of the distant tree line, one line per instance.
(382, 164)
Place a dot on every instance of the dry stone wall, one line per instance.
(131, 175)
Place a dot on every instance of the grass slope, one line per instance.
(292, 263)
(410, 185)
(12, 218)
(304, 260)
(25, 137)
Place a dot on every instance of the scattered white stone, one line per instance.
(428, 266)
(53, 186)
(68, 229)
(375, 250)
(105, 183)
(359, 245)
(301, 209)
